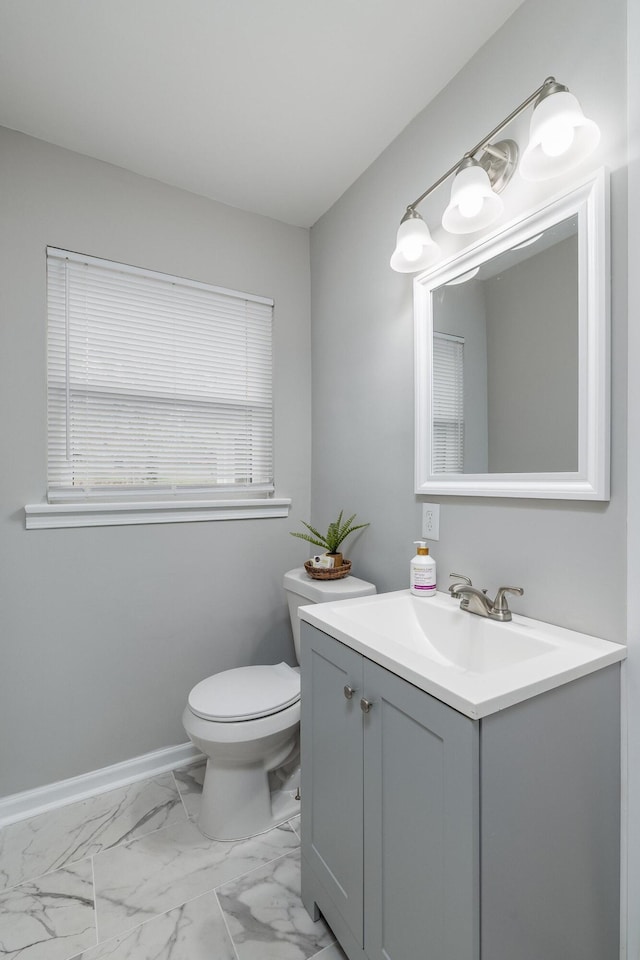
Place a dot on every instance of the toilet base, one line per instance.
(286, 778)
(237, 803)
(237, 799)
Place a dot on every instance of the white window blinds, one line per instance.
(155, 383)
(448, 404)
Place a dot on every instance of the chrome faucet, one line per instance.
(476, 601)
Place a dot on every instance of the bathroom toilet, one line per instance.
(246, 721)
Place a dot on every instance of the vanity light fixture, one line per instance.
(560, 138)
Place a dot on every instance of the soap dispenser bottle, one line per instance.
(423, 572)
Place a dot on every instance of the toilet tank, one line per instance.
(301, 590)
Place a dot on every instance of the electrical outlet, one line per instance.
(431, 521)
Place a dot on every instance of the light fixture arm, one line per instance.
(543, 89)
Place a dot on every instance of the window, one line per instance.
(448, 403)
(158, 387)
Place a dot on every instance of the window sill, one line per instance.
(41, 516)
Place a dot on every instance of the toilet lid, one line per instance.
(246, 693)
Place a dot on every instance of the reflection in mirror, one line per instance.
(505, 361)
(512, 357)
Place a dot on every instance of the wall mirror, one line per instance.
(512, 358)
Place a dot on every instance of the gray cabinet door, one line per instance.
(331, 776)
(421, 825)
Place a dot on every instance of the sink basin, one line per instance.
(446, 634)
(475, 664)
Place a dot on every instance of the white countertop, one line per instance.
(476, 665)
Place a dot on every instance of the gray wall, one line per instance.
(569, 556)
(105, 630)
(532, 352)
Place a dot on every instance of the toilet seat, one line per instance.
(246, 693)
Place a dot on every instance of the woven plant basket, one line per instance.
(328, 573)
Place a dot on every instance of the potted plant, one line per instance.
(337, 532)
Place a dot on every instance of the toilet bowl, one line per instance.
(246, 722)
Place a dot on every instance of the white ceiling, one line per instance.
(273, 106)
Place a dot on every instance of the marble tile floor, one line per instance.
(127, 875)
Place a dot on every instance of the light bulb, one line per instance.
(473, 203)
(415, 248)
(470, 204)
(557, 138)
(411, 249)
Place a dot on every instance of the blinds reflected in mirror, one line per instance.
(448, 404)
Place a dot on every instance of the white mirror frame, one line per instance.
(590, 201)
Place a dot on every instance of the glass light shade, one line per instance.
(415, 247)
(473, 204)
(560, 137)
(469, 275)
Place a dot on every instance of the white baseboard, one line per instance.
(19, 806)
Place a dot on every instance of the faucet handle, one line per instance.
(500, 604)
(460, 578)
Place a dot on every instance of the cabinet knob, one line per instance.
(365, 705)
(349, 691)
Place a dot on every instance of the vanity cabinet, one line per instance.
(427, 835)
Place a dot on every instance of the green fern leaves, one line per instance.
(336, 533)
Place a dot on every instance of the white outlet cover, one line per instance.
(431, 521)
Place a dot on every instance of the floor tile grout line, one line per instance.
(184, 806)
(105, 849)
(208, 893)
(317, 955)
(297, 832)
(100, 853)
(143, 836)
(242, 876)
(75, 954)
(53, 809)
(178, 906)
(212, 890)
(204, 893)
(324, 950)
(211, 840)
(95, 901)
(47, 873)
(230, 879)
(226, 925)
(90, 856)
